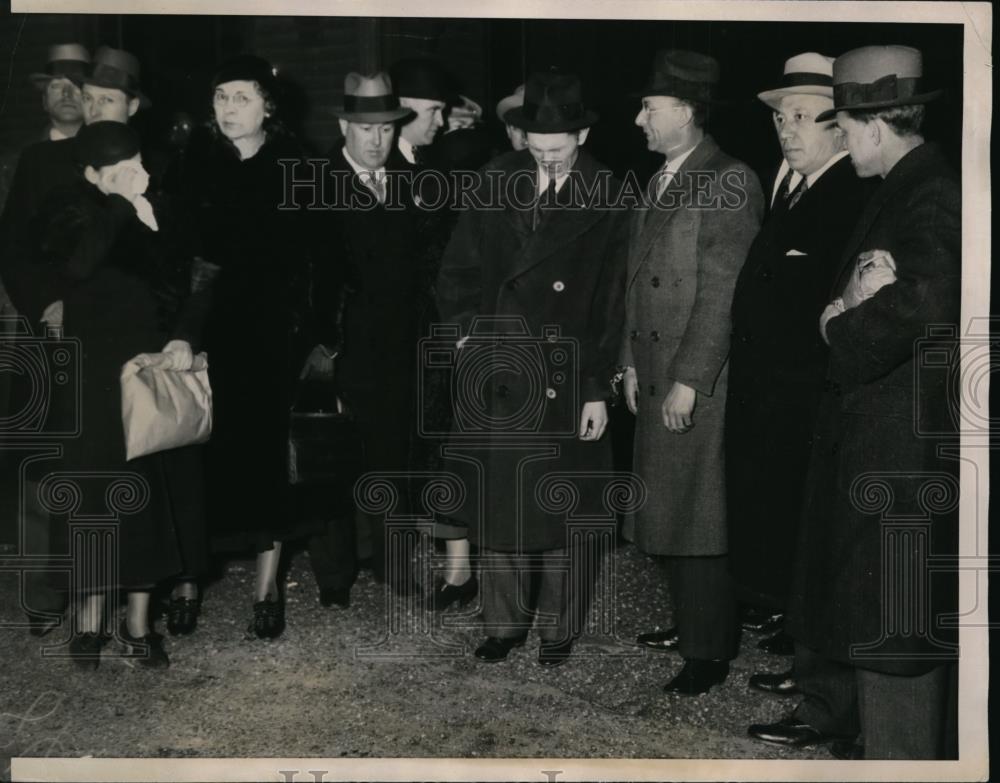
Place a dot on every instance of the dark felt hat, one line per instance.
(105, 143)
(248, 68)
(66, 61)
(119, 70)
(878, 77)
(422, 77)
(553, 103)
(678, 73)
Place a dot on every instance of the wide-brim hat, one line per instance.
(805, 74)
(683, 74)
(119, 70)
(370, 99)
(878, 77)
(422, 77)
(66, 61)
(553, 103)
(105, 143)
(248, 68)
(510, 102)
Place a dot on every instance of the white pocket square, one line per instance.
(794, 252)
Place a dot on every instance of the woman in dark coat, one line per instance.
(111, 267)
(235, 186)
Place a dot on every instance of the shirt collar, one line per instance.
(543, 180)
(407, 149)
(359, 169)
(57, 135)
(796, 177)
(673, 164)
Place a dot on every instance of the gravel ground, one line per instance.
(350, 683)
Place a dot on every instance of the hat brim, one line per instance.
(773, 97)
(508, 103)
(516, 118)
(390, 115)
(144, 102)
(42, 79)
(926, 97)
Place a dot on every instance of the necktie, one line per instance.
(549, 197)
(799, 191)
(419, 158)
(783, 188)
(666, 176)
(376, 185)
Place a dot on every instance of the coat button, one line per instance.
(655, 282)
(634, 334)
(655, 336)
(502, 390)
(652, 391)
(511, 285)
(550, 393)
(558, 286)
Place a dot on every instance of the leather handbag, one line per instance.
(164, 409)
(324, 442)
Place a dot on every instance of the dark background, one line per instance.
(490, 57)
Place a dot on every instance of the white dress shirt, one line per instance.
(367, 174)
(797, 178)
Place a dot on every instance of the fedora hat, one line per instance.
(510, 102)
(66, 61)
(118, 70)
(877, 77)
(805, 74)
(678, 73)
(553, 103)
(370, 99)
(422, 77)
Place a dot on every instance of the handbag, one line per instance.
(324, 442)
(164, 409)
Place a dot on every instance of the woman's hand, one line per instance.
(177, 355)
(593, 420)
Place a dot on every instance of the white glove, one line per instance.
(874, 269)
(53, 314)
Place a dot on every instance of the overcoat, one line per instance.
(685, 252)
(880, 496)
(552, 298)
(126, 290)
(777, 366)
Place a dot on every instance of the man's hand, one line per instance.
(873, 270)
(678, 408)
(177, 355)
(630, 389)
(832, 310)
(319, 364)
(593, 420)
(53, 314)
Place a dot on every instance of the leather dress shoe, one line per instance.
(554, 653)
(659, 640)
(335, 596)
(761, 620)
(182, 615)
(790, 732)
(495, 649)
(847, 750)
(446, 593)
(698, 677)
(268, 618)
(780, 684)
(85, 649)
(148, 650)
(779, 644)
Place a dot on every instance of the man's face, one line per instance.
(239, 109)
(806, 144)
(368, 143)
(421, 130)
(63, 101)
(663, 120)
(861, 144)
(555, 152)
(107, 103)
(517, 138)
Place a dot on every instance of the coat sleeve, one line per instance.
(625, 357)
(872, 339)
(458, 292)
(607, 314)
(724, 238)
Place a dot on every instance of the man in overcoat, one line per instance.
(685, 251)
(880, 495)
(777, 361)
(534, 279)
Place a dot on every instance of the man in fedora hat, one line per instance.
(423, 87)
(542, 265)
(512, 101)
(379, 272)
(877, 475)
(777, 360)
(111, 88)
(686, 250)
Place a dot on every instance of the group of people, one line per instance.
(765, 342)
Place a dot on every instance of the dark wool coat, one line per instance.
(126, 290)
(879, 498)
(518, 399)
(684, 256)
(777, 366)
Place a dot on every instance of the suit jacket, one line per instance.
(879, 496)
(777, 366)
(685, 253)
(560, 286)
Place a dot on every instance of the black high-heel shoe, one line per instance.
(155, 656)
(182, 615)
(446, 594)
(268, 618)
(85, 649)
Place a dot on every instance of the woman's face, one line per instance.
(239, 109)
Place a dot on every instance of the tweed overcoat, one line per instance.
(518, 399)
(777, 366)
(685, 253)
(880, 494)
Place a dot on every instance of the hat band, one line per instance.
(676, 87)
(109, 76)
(552, 113)
(887, 89)
(805, 79)
(370, 103)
